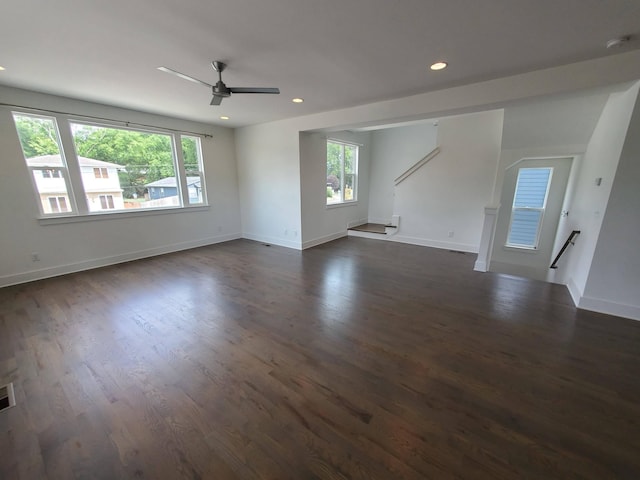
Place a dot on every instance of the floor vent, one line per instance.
(7, 397)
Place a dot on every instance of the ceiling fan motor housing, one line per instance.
(221, 90)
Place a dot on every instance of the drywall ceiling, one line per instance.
(332, 53)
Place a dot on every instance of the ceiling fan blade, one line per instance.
(254, 90)
(182, 75)
(216, 100)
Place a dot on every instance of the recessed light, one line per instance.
(224, 117)
(438, 66)
(2, 68)
(298, 100)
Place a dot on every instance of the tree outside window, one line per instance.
(342, 171)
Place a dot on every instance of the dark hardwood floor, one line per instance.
(357, 359)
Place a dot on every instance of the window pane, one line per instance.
(134, 169)
(531, 190)
(62, 202)
(53, 203)
(524, 227)
(335, 155)
(41, 148)
(528, 206)
(350, 158)
(192, 155)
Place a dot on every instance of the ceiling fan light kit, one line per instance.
(220, 90)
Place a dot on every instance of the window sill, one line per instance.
(91, 217)
(513, 248)
(342, 204)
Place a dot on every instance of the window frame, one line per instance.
(63, 169)
(78, 209)
(541, 209)
(343, 144)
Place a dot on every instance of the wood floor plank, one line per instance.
(356, 359)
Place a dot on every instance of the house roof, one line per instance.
(332, 53)
(56, 161)
(171, 182)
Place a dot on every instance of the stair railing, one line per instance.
(416, 166)
(569, 241)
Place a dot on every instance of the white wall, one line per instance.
(76, 246)
(613, 284)
(271, 203)
(393, 151)
(549, 127)
(322, 223)
(269, 178)
(589, 202)
(449, 193)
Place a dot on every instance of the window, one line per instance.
(192, 156)
(140, 160)
(529, 202)
(342, 172)
(49, 173)
(110, 168)
(106, 202)
(100, 173)
(58, 204)
(40, 143)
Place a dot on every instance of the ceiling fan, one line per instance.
(220, 90)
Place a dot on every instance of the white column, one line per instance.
(486, 240)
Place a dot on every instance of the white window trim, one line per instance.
(542, 210)
(356, 175)
(71, 172)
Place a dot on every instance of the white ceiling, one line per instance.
(333, 53)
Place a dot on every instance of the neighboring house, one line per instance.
(99, 178)
(168, 187)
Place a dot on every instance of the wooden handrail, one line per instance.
(417, 165)
(564, 247)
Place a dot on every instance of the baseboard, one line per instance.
(15, 279)
(574, 291)
(462, 247)
(480, 266)
(273, 240)
(319, 241)
(610, 308)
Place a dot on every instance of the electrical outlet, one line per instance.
(450, 235)
(35, 257)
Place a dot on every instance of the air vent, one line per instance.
(7, 397)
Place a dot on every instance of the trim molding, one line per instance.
(574, 291)
(610, 308)
(15, 279)
(319, 241)
(272, 240)
(425, 242)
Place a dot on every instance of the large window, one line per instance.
(342, 172)
(529, 202)
(111, 169)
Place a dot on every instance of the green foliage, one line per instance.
(145, 157)
(334, 159)
(38, 136)
(329, 192)
(190, 154)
